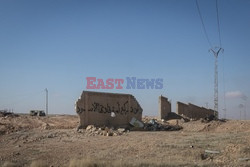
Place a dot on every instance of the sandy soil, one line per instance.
(55, 141)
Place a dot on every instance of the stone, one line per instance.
(89, 127)
(45, 126)
(50, 136)
(110, 133)
(92, 130)
(121, 130)
(80, 131)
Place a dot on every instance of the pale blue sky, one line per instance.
(57, 44)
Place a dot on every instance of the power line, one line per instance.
(203, 25)
(218, 22)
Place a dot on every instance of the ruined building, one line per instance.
(109, 109)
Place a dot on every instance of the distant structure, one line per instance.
(47, 106)
(164, 107)
(193, 111)
(244, 98)
(216, 54)
(37, 113)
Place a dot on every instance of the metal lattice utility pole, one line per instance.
(216, 52)
(244, 97)
(47, 106)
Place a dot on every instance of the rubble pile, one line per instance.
(208, 119)
(135, 125)
(92, 130)
(155, 125)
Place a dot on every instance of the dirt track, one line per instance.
(56, 142)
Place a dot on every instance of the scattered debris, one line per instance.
(148, 125)
(153, 125)
(211, 118)
(121, 130)
(91, 130)
(212, 152)
(244, 159)
(209, 154)
(136, 123)
(208, 119)
(206, 156)
(173, 115)
(51, 135)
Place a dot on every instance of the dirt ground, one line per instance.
(54, 141)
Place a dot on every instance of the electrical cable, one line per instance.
(203, 25)
(218, 21)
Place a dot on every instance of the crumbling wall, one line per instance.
(182, 109)
(109, 109)
(193, 111)
(164, 107)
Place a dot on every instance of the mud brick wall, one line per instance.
(164, 107)
(193, 111)
(96, 108)
(182, 109)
